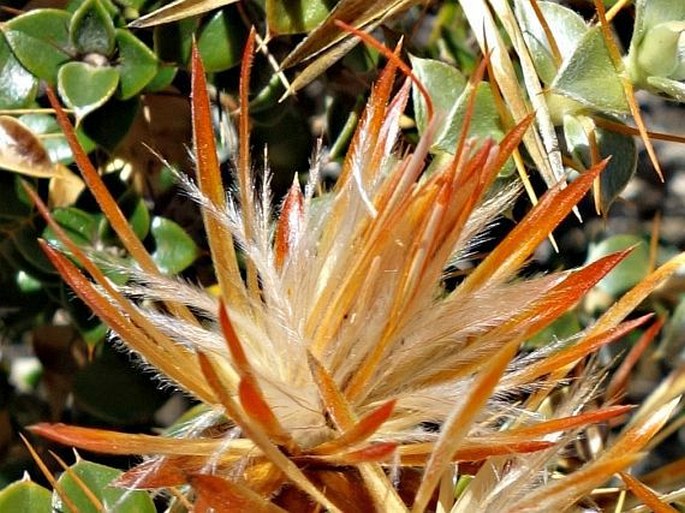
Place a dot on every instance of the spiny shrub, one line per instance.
(337, 369)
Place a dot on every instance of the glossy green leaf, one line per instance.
(28, 284)
(29, 256)
(630, 271)
(17, 86)
(40, 41)
(172, 42)
(81, 226)
(49, 25)
(140, 220)
(25, 497)
(137, 64)
(450, 94)
(92, 29)
(296, 16)
(84, 87)
(163, 78)
(45, 127)
(589, 77)
(221, 40)
(39, 123)
(566, 25)
(679, 73)
(97, 479)
(621, 148)
(268, 97)
(174, 249)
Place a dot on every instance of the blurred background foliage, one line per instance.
(124, 78)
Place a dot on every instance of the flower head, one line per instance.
(341, 371)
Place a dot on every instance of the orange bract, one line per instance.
(342, 371)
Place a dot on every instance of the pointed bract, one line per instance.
(343, 369)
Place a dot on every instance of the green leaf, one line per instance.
(113, 390)
(94, 336)
(222, 40)
(564, 327)
(25, 496)
(48, 25)
(92, 29)
(172, 42)
(45, 127)
(109, 124)
(658, 53)
(672, 88)
(40, 41)
(84, 87)
(444, 83)
(484, 123)
(137, 64)
(140, 220)
(174, 249)
(17, 86)
(620, 169)
(649, 14)
(28, 284)
(31, 259)
(97, 479)
(621, 148)
(269, 95)
(163, 79)
(135, 4)
(180, 425)
(296, 16)
(630, 271)
(566, 25)
(40, 124)
(589, 77)
(41, 55)
(81, 226)
(450, 94)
